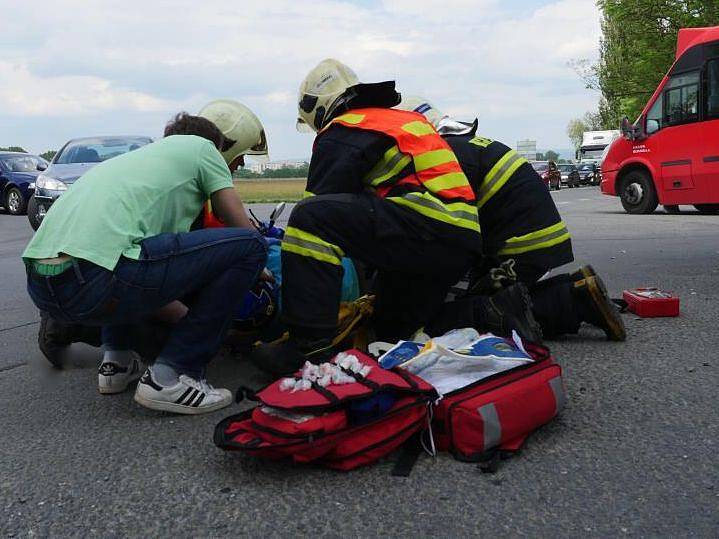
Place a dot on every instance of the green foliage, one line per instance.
(48, 155)
(13, 149)
(551, 155)
(637, 49)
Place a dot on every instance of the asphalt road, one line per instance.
(633, 454)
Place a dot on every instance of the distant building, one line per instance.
(259, 168)
(527, 149)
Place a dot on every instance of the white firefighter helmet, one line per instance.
(244, 134)
(319, 91)
(415, 103)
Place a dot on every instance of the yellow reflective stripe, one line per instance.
(350, 118)
(389, 166)
(447, 181)
(433, 158)
(482, 142)
(418, 128)
(305, 244)
(307, 194)
(498, 175)
(539, 239)
(456, 214)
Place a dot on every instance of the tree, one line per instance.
(48, 155)
(636, 50)
(551, 155)
(13, 149)
(591, 121)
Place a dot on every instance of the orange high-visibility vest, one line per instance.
(435, 186)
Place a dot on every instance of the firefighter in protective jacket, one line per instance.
(383, 188)
(520, 222)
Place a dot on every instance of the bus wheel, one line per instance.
(638, 194)
(709, 209)
(673, 208)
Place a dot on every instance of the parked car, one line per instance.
(74, 159)
(588, 173)
(18, 172)
(569, 174)
(549, 173)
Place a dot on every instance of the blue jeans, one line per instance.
(211, 270)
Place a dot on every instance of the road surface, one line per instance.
(633, 454)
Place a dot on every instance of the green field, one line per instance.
(280, 190)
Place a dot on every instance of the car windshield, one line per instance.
(565, 168)
(540, 167)
(96, 150)
(585, 168)
(22, 163)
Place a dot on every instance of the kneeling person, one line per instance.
(116, 249)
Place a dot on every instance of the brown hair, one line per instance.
(186, 124)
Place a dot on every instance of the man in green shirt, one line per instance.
(116, 249)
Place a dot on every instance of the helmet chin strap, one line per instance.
(341, 104)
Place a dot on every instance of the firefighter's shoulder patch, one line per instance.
(482, 142)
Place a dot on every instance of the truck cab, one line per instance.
(670, 155)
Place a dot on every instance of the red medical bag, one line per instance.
(497, 413)
(651, 302)
(321, 424)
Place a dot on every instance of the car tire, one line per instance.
(637, 193)
(671, 208)
(32, 214)
(707, 209)
(14, 201)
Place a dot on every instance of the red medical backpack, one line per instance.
(478, 423)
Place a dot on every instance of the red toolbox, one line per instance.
(651, 302)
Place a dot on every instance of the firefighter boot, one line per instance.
(595, 307)
(286, 357)
(507, 310)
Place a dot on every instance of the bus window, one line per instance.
(655, 115)
(713, 89)
(681, 99)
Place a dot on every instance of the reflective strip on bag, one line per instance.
(457, 213)
(540, 239)
(492, 427)
(303, 243)
(392, 163)
(560, 397)
(498, 175)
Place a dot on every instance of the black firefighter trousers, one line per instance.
(414, 268)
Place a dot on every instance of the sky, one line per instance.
(75, 68)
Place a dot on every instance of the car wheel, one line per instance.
(33, 213)
(671, 208)
(638, 194)
(707, 209)
(15, 202)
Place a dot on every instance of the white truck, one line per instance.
(591, 154)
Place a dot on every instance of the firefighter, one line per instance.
(520, 223)
(383, 188)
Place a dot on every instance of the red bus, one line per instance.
(670, 155)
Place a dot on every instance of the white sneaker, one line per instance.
(187, 396)
(113, 378)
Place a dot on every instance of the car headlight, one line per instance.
(46, 182)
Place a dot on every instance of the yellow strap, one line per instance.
(539, 239)
(305, 244)
(419, 128)
(457, 214)
(498, 175)
(433, 158)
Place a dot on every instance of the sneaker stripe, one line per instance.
(199, 400)
(182, 397)
(189, 399)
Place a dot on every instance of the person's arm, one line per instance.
(342, 157)
(228, 207)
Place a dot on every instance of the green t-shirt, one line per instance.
(158, 188)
